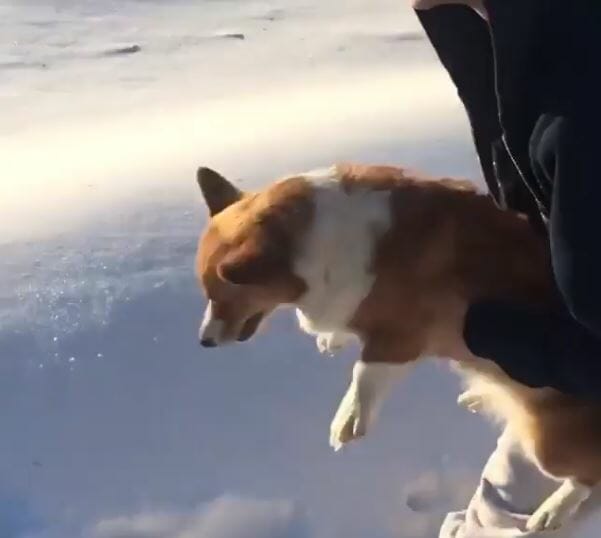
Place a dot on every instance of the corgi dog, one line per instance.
(392, 259)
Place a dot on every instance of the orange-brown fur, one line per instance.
(448, 246)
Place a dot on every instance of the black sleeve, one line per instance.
(540, 347)
(462, 42)
(536, 347)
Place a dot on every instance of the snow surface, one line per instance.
(114, 423)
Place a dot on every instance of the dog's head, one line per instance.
(245, 255)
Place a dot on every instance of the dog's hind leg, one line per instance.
(559, 507)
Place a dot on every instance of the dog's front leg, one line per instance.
(330, 343)
(360, 405)
(471, 400)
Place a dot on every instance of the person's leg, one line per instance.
(510, 490)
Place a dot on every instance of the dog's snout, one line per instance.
(211, 329)
(208, 342)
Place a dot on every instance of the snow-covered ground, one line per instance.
(114, 423)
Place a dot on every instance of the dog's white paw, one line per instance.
(560, 507)
(551, 515)
(471, 401)
(324, 344)
(349, 423)
(330, 343)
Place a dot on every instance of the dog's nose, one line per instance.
(208, 342)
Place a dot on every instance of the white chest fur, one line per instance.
(335, 260)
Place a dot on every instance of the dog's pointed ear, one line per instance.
(218, 192)
(248, 264)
